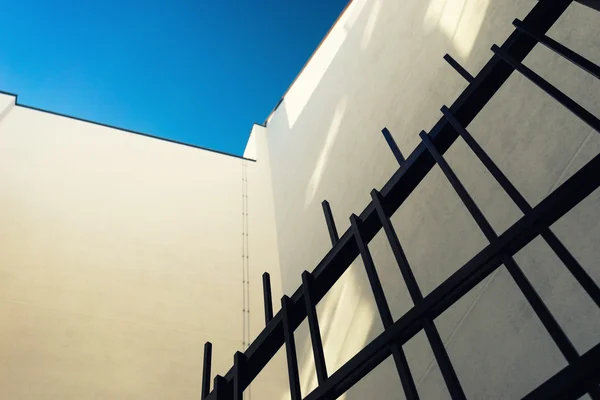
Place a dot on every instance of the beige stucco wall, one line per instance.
(121, 256)
(382, 66)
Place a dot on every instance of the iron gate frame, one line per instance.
(577, 378)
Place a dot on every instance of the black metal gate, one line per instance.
(582, 374)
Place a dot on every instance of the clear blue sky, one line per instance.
(199, 71)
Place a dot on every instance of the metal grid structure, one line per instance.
(580, 376)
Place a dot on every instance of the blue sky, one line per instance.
(200, 71)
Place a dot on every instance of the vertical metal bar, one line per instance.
(333, 234)
(290, 349)
(393, 146)
(580, 274)
(547, 319)
(559, 49)
(409, 278)
(313, 325)
(437, 346)
(220, 387)
(267, 298)
(508, 187)
(206, 369)
(408, 383)
(458, 68)
(380, 300)
(547, 212)
(555, 244)
(543, 84)
(239, 368)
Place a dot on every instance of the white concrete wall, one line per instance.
(382, 66)
(121, 255)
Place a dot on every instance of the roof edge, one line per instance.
(123, 129)
(308, 61)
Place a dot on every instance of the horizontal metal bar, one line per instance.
(579, 273)
(573, 381)
(547, 87)
(458, 68)
(547, 212)
(487, 82)
(559, 49)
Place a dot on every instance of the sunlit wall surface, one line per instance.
(121, 256)
(381, 66)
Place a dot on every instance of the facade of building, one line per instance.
(122, 254)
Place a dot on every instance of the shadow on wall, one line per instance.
(458, 20)
(332, 133)
(310, 77)
(380, 66)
